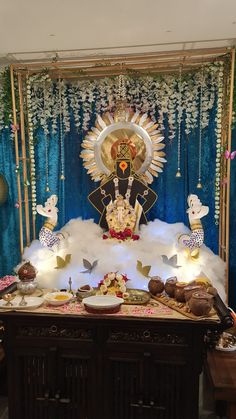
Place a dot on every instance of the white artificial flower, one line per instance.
(107, 281)
(123, 288)
(103, 288)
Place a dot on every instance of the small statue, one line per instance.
(120, 215)
(196, 211)
(47, 236)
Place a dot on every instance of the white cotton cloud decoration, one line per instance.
(157, 238)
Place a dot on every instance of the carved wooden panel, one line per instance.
(146, 335)
(54, 331)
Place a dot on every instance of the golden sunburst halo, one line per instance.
(136, 127)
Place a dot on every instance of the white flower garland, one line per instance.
(218, 130)
(158, 95)
(31, 147)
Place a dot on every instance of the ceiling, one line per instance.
(37, 29)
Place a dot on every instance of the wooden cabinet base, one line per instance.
(102, 367)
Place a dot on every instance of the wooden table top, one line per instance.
(221, 368)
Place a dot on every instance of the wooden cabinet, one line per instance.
(102, 368)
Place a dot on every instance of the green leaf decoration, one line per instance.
(88, 266)
(62, 263)
(144, 270)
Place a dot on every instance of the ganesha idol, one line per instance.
(121, 219)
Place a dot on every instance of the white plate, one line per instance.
(32, 302)
(228, 349)
(103, 301)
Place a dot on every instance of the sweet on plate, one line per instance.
(58, 298)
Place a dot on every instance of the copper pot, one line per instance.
(201, 303)
(179, 291)
(170, 286)
(156, 285)
(190, 289)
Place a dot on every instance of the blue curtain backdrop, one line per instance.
(172, 192)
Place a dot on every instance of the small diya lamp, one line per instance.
(8, 297)
(84, 291)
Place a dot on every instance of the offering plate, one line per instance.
(31, 302)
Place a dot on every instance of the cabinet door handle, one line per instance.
(45, 397)
(139, 403)
(146, 354)
(64, 400)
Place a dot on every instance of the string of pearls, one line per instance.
(218, 129)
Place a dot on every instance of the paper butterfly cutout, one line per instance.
(172, 261)
(89, 266)
(229, 155)
(144, 270)
(62, 263)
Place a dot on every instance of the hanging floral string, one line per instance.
(199, 184)
(61, 133)
(218, 132)
(31, 148)
(180, 113)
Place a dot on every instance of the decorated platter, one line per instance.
(137, 296)
(32, 302)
